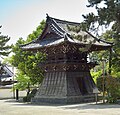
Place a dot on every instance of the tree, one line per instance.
(4, 48)
(108, 11)
(23, 81)
(108, 14)
(27, 62)
(116, 50)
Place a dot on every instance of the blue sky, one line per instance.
(20, 17)
(7, 7)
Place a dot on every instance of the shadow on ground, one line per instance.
(83, 106)
(20, 103)
(93, 106)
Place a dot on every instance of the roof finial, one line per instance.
(47, 15)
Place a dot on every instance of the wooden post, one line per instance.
(13, 84)
(28, 89)
(17, 94)
(96, 95)
(103, 81)
(110, 61)
(0, 73)
(95, 91)
(0, 81)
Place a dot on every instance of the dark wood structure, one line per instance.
(67, 72)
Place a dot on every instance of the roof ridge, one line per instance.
(98, 39)
(33, 41)
(65, 21)
(65, 33)
(59, 26)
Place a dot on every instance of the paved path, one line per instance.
(11, 107)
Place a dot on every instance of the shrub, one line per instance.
(30, 96)
(113, 89)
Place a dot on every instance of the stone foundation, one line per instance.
(65, 100)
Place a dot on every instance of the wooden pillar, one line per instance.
(0, 81)
(17, 94)
(110, 61)
(103, 81)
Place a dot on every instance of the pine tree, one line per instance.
(4, 48)
(108, 14)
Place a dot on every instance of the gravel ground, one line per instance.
(11, 107)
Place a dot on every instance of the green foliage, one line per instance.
(96, 75)
(105, 55)
(4, 48)
(27, 63)
(108, 13)
(30, 96)
(22, 81)
(116, 49)
(113, 88)
(32, 69)
(100, 81)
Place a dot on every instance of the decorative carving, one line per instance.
(75, 67)
(69, 66)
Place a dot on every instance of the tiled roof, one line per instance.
(62, 33)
